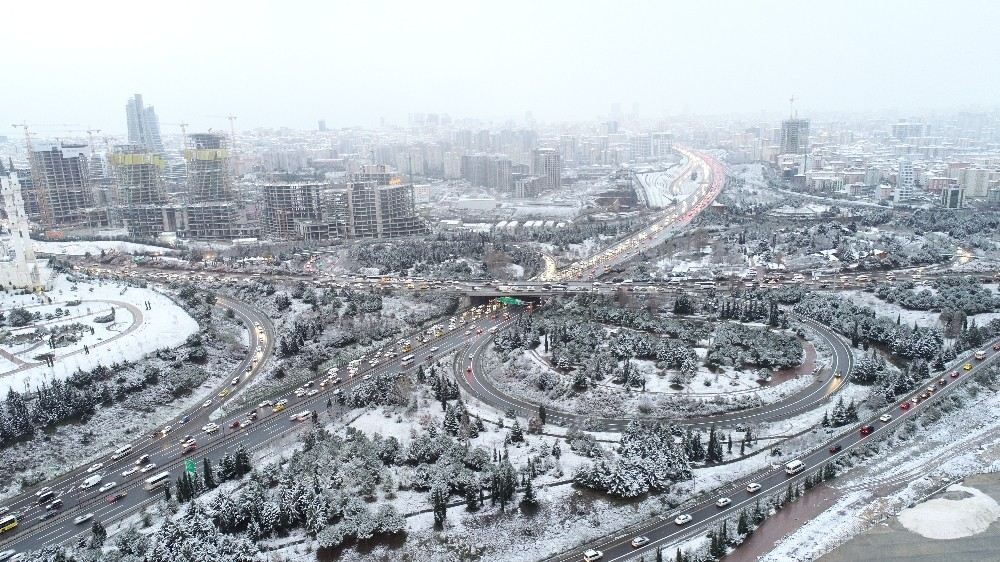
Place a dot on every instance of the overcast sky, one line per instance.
(291, 62)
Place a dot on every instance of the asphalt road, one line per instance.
(161, 450)
(474, 378)
(165, 451)
(663, 531)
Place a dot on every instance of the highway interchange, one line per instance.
(470, 341)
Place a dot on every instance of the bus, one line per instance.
(157, 480)
(121, 453)
(794, 467)
(407, 361)
(8, 523)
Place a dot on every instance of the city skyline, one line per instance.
(560, 64)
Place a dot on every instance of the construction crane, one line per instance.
(184, 135)
(90, 136)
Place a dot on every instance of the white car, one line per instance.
(95, 467)
(753, 487)
(592, 555)
(206, 404)
(723, 502)
(683, 519)
(211, 428)
(312, 392)
(130, 471)
(83, 518)
(265, 404)
(43, 490)
(148, 467)
(885, 418)
(639, 541)
(106, 487)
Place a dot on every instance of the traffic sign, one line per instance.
(189, 466)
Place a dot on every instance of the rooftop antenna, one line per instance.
(791, 107)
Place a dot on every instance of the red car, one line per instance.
(904, 406)
(116, 497)
(954, 374)
(235, 424)
(866, 429)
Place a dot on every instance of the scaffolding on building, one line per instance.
(139, 194)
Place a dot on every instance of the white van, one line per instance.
(794, 467)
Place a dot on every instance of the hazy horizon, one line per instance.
(293, 63)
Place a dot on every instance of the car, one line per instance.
(591, 555)
(314, 392)
(885, 418)
(942, 382)
(148, 467)
(130, 472)
(206, 404)
(142, 460)
(43, 490)
(639, 541)
(166, 430)
(106, 487)
(904, 406)
(996, 347)
(235, 381)
(265, 404)
(867, 429)
(54, 504)
(117, 497)
(723, 502)
(836, 448)
(95, 467)
(753, 487)
(225, 392)
(967, 366)
(210, 427)
(683, 519)
(185, 419)
(955, 374)
(83, 518)
(46, 515)
(278, 407)
(838, 374)
(235, 424)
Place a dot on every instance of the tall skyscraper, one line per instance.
(795, 136)
(546, 164)
(905, 181)
(143, 125)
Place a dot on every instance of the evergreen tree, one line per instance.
(742, 524)
(541, 413)
(516, 433)
(98, 534)
(529, 494)
(556, 452)
(439, 502)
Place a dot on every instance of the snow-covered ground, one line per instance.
(133, 333)
(95, 247)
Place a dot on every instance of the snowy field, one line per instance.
(95, 247)
(133, 333)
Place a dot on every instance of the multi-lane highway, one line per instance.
(664, 531)
(44, 526)
(165, 449)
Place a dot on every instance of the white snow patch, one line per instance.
(943, 518)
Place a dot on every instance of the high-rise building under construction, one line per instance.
(61, 180)
(211, 211)
(380, 205)
(139, 193)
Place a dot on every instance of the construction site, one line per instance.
(211, 210)
(139, 194)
